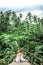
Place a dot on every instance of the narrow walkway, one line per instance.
(20, 63)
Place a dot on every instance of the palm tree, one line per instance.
(40, 23)
(29, 16)
(20, 15)
(42, 20)
(35, 19)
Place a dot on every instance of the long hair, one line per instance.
(20, 50)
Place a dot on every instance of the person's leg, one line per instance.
(17, 59)
(22, 59)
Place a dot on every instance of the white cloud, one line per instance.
(19, 3)
(38, 13)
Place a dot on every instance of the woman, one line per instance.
(19, 57)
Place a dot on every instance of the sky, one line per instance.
(23, 6)
(20, 3)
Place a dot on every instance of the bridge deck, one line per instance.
(20, 63)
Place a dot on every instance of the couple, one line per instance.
(19, 57)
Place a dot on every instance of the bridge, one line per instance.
(31, 60)
(20, 63)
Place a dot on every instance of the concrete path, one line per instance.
(20, 63)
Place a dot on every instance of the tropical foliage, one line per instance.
(16, 34)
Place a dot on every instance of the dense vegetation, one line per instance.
(15, 34)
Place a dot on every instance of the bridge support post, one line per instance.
(41, 62)
(31, 59)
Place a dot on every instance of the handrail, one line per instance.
(2, 54)
(32, 58)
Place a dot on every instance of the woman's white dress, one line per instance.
(19, 58)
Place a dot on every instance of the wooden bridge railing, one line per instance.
(32, 59)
